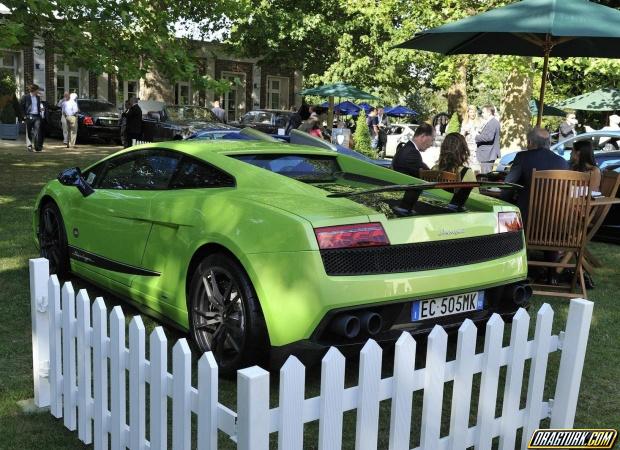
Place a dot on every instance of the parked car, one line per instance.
(263, 248)
(601, 140)
(161, 122)
(268, 121)
(96, 119)
(398, 133)
(295, 137)
(610, 229)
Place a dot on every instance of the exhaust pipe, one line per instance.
(521, 293)
(346, 325)
(371, 322)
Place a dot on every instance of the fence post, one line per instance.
(39, 275)
(571, 363)
(253, 415)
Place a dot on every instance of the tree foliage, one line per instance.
(362, 136)
(124, 37)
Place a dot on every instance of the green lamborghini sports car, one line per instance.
(268, 249)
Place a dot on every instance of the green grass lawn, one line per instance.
(21, 177)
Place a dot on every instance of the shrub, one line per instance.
(362, 136)
(7, 97)
(454, 126)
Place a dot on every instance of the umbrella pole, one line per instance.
(543, 82)
(330, 113)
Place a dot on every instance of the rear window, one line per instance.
(311, 168)
(90, 106)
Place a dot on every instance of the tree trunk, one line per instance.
(457, 93)
(515, 111)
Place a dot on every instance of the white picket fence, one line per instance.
(78, 385)
(139, 142)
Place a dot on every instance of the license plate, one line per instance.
(448, 305)
(107, 122)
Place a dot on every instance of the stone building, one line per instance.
(254, 85)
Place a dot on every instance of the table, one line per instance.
(595, 220)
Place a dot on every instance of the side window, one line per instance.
(281, 120)
(194, 174)
(144, 170)
(248, 118)
(93, 174)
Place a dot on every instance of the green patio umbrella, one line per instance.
(530, 28)
(547, 110)
(606, 99)
(340, 90)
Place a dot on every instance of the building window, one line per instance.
(234, 99)
(132, 89)
(67, 79)
(8, 60)
(183, 94)
(277, 92)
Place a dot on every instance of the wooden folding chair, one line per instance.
(438, 176)
(557, 222)
(610, 182)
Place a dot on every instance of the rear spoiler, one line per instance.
(413, 191)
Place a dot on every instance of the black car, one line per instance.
(610, 229)
(97, 120)
(266, 120)
(171, 122)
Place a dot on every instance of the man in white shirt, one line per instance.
(69, 112)
(63, 121)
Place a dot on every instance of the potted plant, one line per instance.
(9, 106)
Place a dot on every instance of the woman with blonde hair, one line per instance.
(470, 128)
(453, 156)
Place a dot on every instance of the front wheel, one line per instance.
(53, 239)
(225, 315)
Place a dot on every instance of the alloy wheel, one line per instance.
(219, 316)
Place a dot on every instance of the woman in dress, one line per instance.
(470, 128)
(582, 160)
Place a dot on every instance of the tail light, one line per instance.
(509, 221)
(349, 236)
(88, 120)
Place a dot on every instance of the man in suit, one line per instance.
(383, 122)
(33, 111)
(487, 141)
(537, 156)
(408, 158)
(133, 127)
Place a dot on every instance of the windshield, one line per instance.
(310, 168)
(89, 106)
(190, 113)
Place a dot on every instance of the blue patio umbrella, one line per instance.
(365, 106)
(347, 108)
(400, 110)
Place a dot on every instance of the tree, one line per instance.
(123, 37)
(454, 125)
(362, 136)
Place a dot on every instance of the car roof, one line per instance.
(271, 110)
(201, 148)
(592, 134)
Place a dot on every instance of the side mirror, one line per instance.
(73, 177)
(154, 115)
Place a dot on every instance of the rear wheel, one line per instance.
(224, 314)
(53, 239)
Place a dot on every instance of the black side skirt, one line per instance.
(108, 264)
